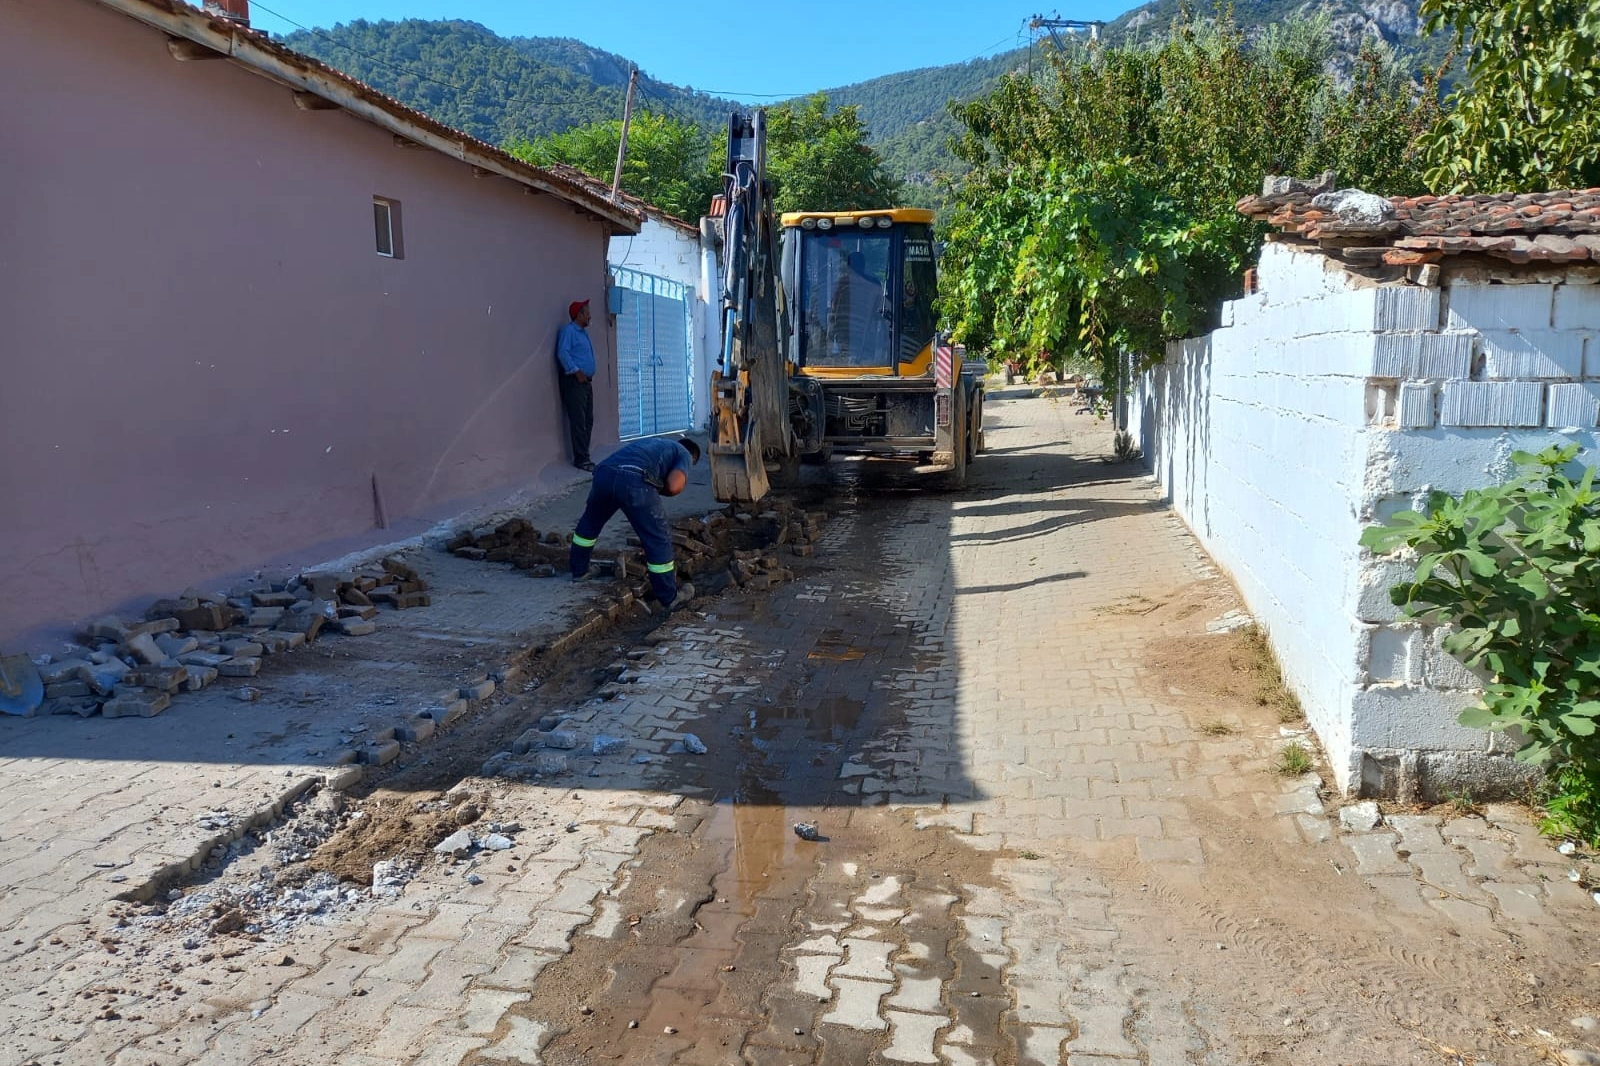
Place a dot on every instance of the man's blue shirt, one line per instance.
(656, 456)
(574, 350)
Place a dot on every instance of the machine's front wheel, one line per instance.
(784, 470)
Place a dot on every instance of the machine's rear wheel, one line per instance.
(957, 478)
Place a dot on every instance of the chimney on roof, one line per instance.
(232, 10)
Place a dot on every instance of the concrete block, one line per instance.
(355, 627)
(482, 690)
(381, 753)
(241, 648)
(1377, 578)
(1441, 670)
(1393, 655)
(1480, 306)
(342, 778)
(1533, 354)
(136, 703)
(1576, 307)
(1406, 307)
(1574, 406)
(55, 673)
(1417, 404)
(415, 729)
(1422, 355)
(1411, 718)
(203, 658)
(265, 616)
(174, 646)
(447, 711)
(206, 617)
(247, 666)
(142, 646)
(1492, 403)
(199, 678)
(161, 678)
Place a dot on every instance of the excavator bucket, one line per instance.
(738, 477)
(738, 472)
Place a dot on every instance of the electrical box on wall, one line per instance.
(613, 297)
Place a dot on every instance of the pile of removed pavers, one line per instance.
(741, 540)
(133, 669)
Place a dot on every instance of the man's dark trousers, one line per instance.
(577, 399)
(623, 488)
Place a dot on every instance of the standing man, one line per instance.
(633, 479)
(575, 353)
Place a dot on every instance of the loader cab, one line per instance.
(860, 288)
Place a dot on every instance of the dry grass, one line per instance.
(1271, 691)
(1216, 727)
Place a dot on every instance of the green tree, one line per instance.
(1097, 219)
(1527, 116)
(819, 159)
(670, 164)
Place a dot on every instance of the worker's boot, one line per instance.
(685, 594)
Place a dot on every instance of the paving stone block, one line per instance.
(480, 690)
(355, 627)
(265, 616)
(447, 711)
(416, 729)
(380, 754)
(160, 678)
(856, 1006)
(240, 667)
(203, 659)
(141, 703)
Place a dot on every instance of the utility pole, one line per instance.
(1039, 22)
(622, 147)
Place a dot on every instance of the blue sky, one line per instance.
(762, 51)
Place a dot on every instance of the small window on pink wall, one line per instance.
(386, 225)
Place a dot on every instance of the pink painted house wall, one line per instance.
(204, 361)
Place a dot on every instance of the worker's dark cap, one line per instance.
(575, 306)
(691, 447)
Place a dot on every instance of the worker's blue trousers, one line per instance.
(624, 489)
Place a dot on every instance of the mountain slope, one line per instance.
(494, 87)
(497, 88)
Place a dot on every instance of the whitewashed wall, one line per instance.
(671, 251)
(1326, 402)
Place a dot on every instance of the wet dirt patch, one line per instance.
(704, 967)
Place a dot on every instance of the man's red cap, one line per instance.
(575, 306)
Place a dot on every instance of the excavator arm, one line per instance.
(750, 386)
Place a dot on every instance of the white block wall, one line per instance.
(670, 251)
(1326, 403)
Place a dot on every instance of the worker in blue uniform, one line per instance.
(633, 479)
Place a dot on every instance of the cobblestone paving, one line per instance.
(1030, 855)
